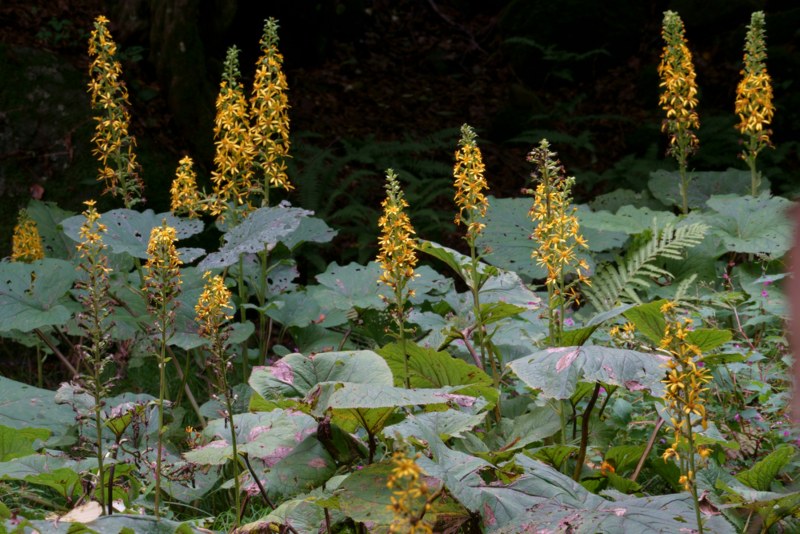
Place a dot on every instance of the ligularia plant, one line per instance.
(26, 243)
(397, 256)
(754, 98)
(115, 145)
(678, 97)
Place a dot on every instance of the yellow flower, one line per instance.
(114, 144)
(409, 501)
(213, 308)
(184, 196)
(558, 230)
(397, 254)
(679, 89)
(754, 93)
(269, 108)
(233, 158)
(162, 275)
(470, 184)
(26, 243)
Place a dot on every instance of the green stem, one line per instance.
(684, 185)
(692, 485)
(39, 367)
(162, 386)
(229, 408)
(401, 331)
(242, 301)
(262, 300)
(98, 422)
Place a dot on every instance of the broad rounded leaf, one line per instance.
(128, 231)
(752, 225)
(295, 375)
(557, 371)
(31, 294)
(261, 229)
(665, 185)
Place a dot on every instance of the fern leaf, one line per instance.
(612, 283)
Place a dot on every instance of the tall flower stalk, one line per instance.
(470, 185)
(213, 311)
(678, 98)
(557, 236)
(95, 322)
(397, 257)
(269, 110)
(269, 131)
(685, 384)
(754, 98)
(233, 176)
(162, 286)
(114, 143)
(26, 242)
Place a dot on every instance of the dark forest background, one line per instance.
(380, 83)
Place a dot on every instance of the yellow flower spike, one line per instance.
(408, 506)
(470, 183)
(398, 255)
(214, 306)
(269, 109)
(109, 97)
(184, 195)
(162, 275)
(26, 243)
(678, 96)
(754, 105)
(233, 158)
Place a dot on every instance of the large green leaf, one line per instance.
(349, 395)
(762, 475)
(707, 339)
(459, 263)
(446, 424)
(295, 375)
(119, 524)
(429, 368)
(261, 229)
(23, 406)
(128, 231)
(48, 217)
(311, 230)
(16, 443)
(665, 186)
(507, 236)
(628, 220)
(268, 436)
(32, 294)
(307, 466)
(557, 371)
(598, 239)
(350, 286)
(553, 500)
(648, 320)
(752, 225)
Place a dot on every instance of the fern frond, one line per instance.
(614, 283)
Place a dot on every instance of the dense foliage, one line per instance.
(604, 367)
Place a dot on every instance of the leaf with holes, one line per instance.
(260, 230)
(33, 295)
(128, 231)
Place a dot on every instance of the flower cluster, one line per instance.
(162, 275)
(269, 107)
(114, 144)
(470, 184)
(754, 97)
(685, 382)
(679, 90)
(397, 255)
(213, 308)
(184, 195)
(557, 233)
(233, 176)
(94, 289)
(410, 496)
(26, 243)
(754, 93)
